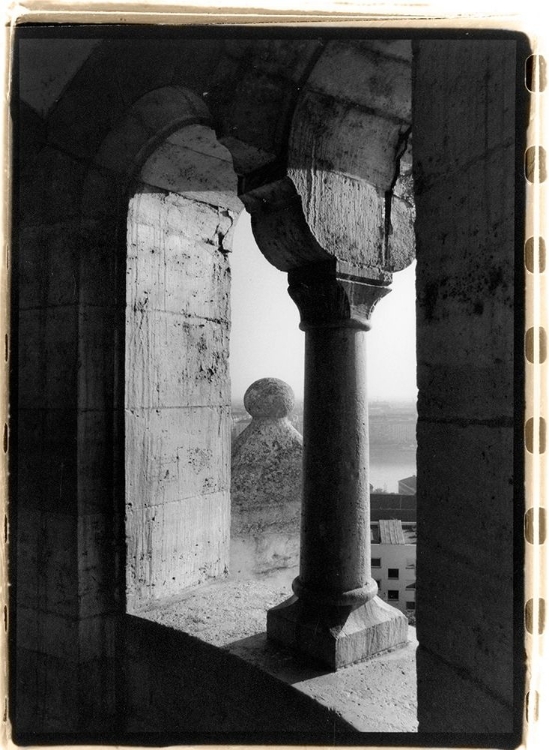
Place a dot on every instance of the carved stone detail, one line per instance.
(326, 299)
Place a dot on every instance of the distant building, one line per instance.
(392, 505)
(407, 486)
(393, 550)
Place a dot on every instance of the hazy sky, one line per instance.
(266, 340)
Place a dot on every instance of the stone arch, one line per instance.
(172, 206)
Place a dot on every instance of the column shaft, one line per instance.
(335, 616)
(335, 535)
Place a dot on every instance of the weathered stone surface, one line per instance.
(192, 162)
(465, 199)
(338, 636)
(353, 229)
(454, 695)
(176, 453)
(266, 482)
(57, 60)
(335, 617)
(49, 190)
(48, 579)
(173, 546)
(177, 422)
(360, 72)
(47, 468)
(344, 139)
(48, 357)
(289, 58)
(269, 398)
(349, 129)
(250, 673)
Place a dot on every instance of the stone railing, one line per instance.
(266, 486)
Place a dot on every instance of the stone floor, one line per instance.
(375, 696)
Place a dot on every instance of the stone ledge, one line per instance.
(222, 627)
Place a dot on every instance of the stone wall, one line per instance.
(464, 151)
(177, 385)
(177, 398)
(65, 482)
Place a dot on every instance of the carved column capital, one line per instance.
(327, 298)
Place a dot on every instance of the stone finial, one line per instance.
(266, 481)
(269, 398)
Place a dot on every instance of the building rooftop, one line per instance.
(393, 531)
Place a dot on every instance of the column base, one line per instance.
(337, 636)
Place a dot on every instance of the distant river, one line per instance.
(389, 464)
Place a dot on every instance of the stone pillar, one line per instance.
(335, 615)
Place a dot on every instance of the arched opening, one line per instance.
(181, 212)
(70, 521)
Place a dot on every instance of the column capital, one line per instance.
(328, 297)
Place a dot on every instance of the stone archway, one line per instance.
(72, 232)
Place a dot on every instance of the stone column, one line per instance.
(335, 615)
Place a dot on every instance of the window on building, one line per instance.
(410, 562)
(376, 562)
(410, 605)
(392, 594)
(393, 573)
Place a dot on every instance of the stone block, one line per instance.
(25, 574)
(193, 164)
(450, 700)
(101, 262)
(99, 558)
(354, 71)
(337, 636)
(144, 64)
(172, 362)
(46, 466)
(100, 475)
(473, 256)
(50, 192)
(48, 357)
(47, 695)
(334, 136)
(97, 637)
(466, 478)
(176, 545)
(173, 454)
(47, 265)
(31, 137)
(175, 261)
(196, 62)
(480, 340)
(467, 392)
(352, 227)
(47, 633)
(99, 336)
(46, 65)
(259, 107)
(473, 609)
(480, 72)
(284, 57)
(95, 89)
(57, 570)
(46, 562)
(97, 702)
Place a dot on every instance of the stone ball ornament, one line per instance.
(269, 398)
